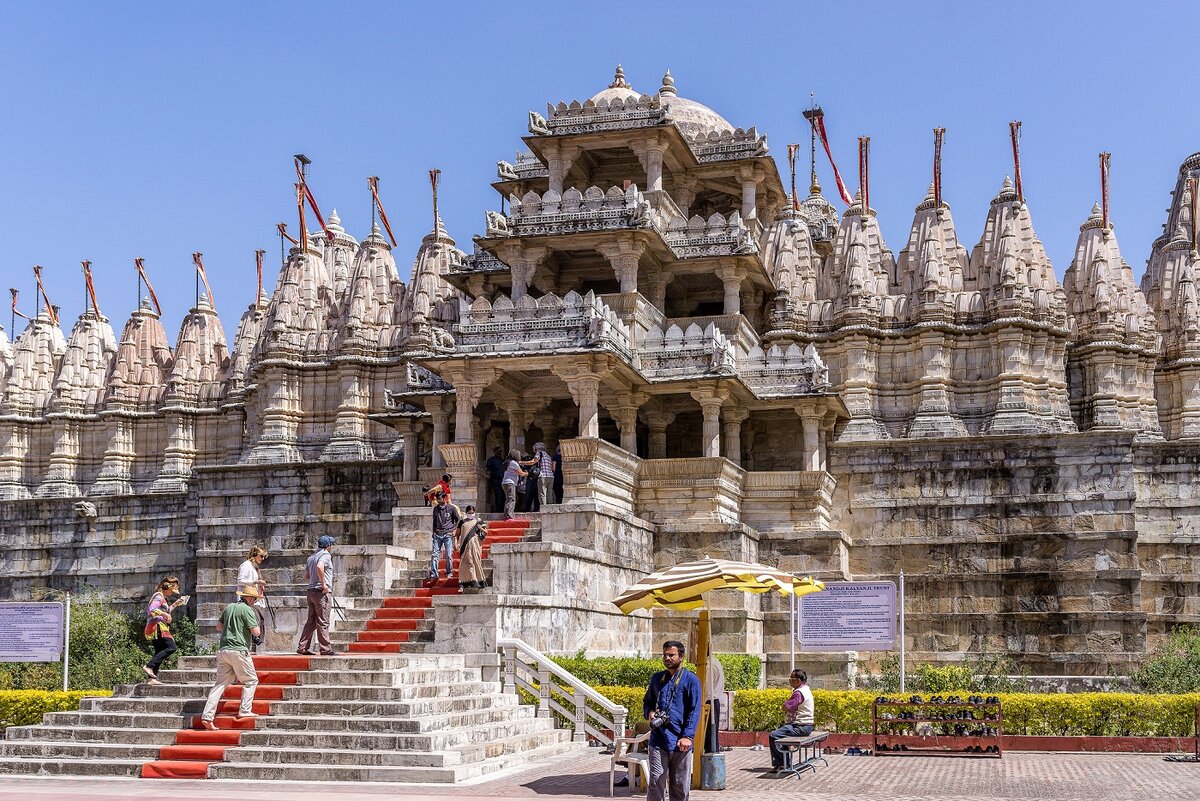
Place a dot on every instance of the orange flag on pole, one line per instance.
(141, 268)
(373, 182)
(37, 273)
(197, 259)
(91, 289)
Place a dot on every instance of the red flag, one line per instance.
(282, 229)
(792, 149)
(199, 262)
(37, 273)
(1105, 163)
(1014, 132)
(818, 122)
(939, 136)
(13, 291)
(306, 194)
(258, 257)
(91, 289)
(864, 172)
(141, 268)
(373, 182)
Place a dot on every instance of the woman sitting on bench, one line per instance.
(797, 717)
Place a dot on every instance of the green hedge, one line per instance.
(1053, 714)
(26, 707)
(742, 671)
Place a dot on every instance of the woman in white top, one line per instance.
(250, 574)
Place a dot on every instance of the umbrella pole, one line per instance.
(702, 671)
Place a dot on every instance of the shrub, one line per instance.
(26, 707)
(988, 673)
(742, 671)
(107, 648)
(1174, 666)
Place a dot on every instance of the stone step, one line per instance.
(79, 750)
(85, 734)
(199, 681)
(57, 766)
(494, 747)
(414, 708)
(399, 725)
(383, 741)
(370, 773)
(344, 663)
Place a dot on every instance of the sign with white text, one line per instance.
(31, 632)
(849, 616)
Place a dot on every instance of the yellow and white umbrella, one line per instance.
(682, 588)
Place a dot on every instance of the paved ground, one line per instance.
(1023, 776)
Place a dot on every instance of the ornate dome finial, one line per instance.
(668, 85)
(1096, 213)
(619, 81)
(335, 222)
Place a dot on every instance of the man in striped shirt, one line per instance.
(545, 464)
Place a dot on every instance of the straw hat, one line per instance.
(249, 591)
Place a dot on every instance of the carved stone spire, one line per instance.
(619, 81)
(930, 268)
(668, 86)
(37, 353)
(431, 303)
(1115, 351)
(139, 377)
(78, 396)
(338, 252)
(860, 268)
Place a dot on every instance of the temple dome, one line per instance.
(695, 119)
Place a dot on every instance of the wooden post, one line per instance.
(702, 672)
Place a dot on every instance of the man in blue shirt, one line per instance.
(674, 697)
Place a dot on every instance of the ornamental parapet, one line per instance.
(717, 236)
(572, 212)
(542, 325)
(783, 372)
(525, 167)
(728, 145)
(678, 353)
(617, 114)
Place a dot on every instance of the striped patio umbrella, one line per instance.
(682, 587)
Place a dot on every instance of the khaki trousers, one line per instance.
(233, 667)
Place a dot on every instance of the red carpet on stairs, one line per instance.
(195, 749)
(399, 616)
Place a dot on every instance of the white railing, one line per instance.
(593, 716)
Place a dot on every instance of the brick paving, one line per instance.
(1024, 776)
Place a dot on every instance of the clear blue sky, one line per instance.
(158, 129)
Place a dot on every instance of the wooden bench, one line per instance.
(810, 750)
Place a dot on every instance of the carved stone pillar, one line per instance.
(658, 421)
(749, 179)
(349, 440)
(685, 193)
(654, 168)
(117, 467)
(408, 471)
(732, 277)
(12, 460)
(518, 420)
(559, 161)
(624, 258)
(64, 462)
(626, 415)
(583, 382)
(710, 405)
(828, 422)
(810, 419)
(523, 263)
(179, 456)
(441, 431)
(466, 396)
(278, 437)
(732, 424)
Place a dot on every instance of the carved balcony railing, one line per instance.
(728, 145)
(542, 325)
(525, 167)
(677, 353)
(606, 115)
(783, 372)
(717, 236)
(572, 212)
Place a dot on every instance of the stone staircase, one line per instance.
(402, 622)
(381, 712)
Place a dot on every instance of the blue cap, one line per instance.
(325, 541)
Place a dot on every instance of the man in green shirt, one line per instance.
(238, 627)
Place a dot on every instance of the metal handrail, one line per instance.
(530, 670)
